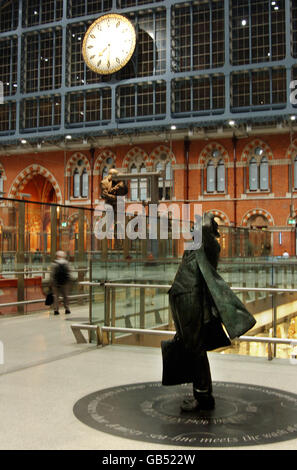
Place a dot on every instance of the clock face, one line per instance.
(109, 43)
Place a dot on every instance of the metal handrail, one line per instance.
(37, 301)
(7, 273)
(168, 286)
(257, 339)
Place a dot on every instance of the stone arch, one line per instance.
(248, 149)
(73, 161)
(2, 170)
(135, 152)
(221, 215)
(255, 212)
(73, 218)
(291, 150)
(205, 154)
(27, 174)
(101, 159)
(157, 153)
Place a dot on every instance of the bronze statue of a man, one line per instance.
(201, 302)
(110, 189)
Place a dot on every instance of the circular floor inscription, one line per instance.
(244, 415)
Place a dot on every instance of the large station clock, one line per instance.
(109, 43)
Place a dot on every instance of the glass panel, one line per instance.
(210, 177)
(264, 174)
(253, 175)
(85, 183)
(104, 172)
(221, 176)
(133, 185)
(143, 185)
(168, 171)
(30, 235)
(76, 184)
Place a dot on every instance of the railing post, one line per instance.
(270, 355)
(107, 308)
(90, 297)
(142, 308)
(274, 320)
(20, 256)
(113, 312)
(54, 224)
(81, 248)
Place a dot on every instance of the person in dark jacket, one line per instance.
(60, 281)
(200, 302)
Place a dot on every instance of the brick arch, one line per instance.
(27, 174)
(206, 153)
(247, 151)
(134, 152)
(73, 161)
(73, 218)
(291, 150)
(221, 215)
(253, 212)
(101, 158)
(2, 170)
(155, 155)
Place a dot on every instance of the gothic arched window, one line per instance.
(80, 181)
(215, 176)
(138, 186)
(220, 176)
(253, 174)
(76, 183)
(264, 174)
(165, 184)
(84, 183)
(1, 183)
(107, 165)
(210, 177)
(258, 171)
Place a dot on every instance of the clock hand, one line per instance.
(108, 57)
(101, 53)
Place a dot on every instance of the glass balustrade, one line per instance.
(31, 233)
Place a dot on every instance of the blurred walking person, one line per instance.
(60, 281)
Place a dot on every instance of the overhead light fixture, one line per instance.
(68, 137)
(23, 141)
(231, 123)
(244, 22)
(173, 127)
(293, 118)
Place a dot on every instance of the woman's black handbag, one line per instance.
(178, 363)
(49, 300)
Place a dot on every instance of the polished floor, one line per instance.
(45, 373)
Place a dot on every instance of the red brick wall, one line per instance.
(276, 203)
